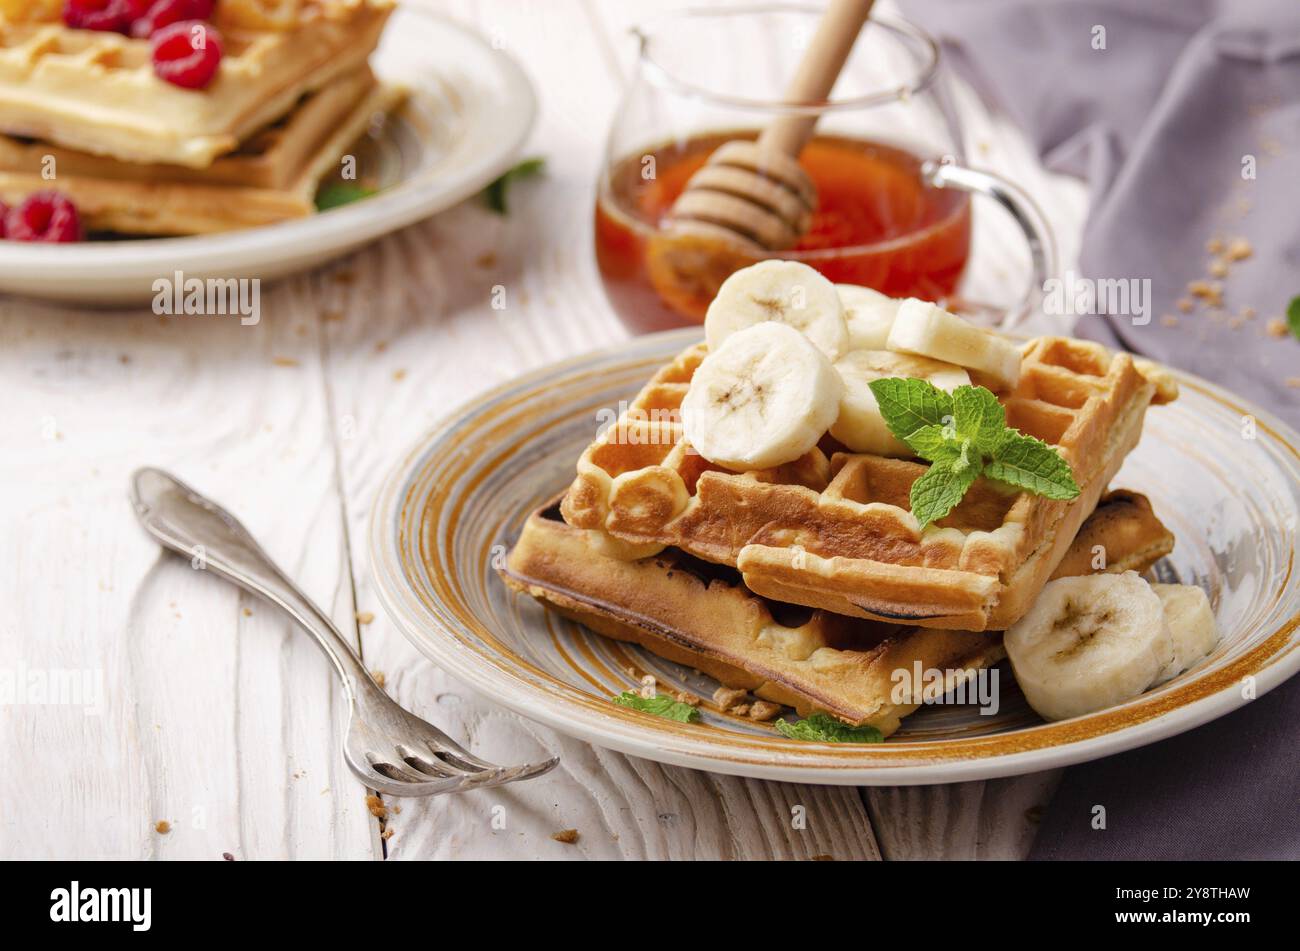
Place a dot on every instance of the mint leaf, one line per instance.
(341, 193)
(935, 444)
(1031, 464)
(938, 491)
(1293, 316)
(661, 705)
(820, 728)
(978, 416)
(494, 196)
(907, 405)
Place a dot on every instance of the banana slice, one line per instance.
(761, 399)
(869, 314)
(1191, 625)
(786, 292)
(1089, 643)
(859, 425)
(930, 331)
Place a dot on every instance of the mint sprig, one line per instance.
(661, 705)
(820, 728)
(964, 435)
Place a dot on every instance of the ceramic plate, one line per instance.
(470, 111)
(1228, 489)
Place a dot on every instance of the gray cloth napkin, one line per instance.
(1161, 123)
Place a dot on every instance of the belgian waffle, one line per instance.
(97, 92)
(833, 530)
(701, 614)
(272, 177)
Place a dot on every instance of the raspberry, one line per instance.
(163, 13)
(187, 53)
(114, 16)
(44, 216)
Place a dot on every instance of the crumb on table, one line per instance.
(162, 827)
(376, 806)
(567, 836)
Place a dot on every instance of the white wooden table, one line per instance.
(220, 719)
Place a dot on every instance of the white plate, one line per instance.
(470, 112)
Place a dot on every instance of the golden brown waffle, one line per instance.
(833, 530)
(97, 92)
(273, 177)
(701, 615)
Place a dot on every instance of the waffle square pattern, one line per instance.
(833, 529)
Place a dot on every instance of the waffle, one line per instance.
(833, 530)
(273, 177)
(701, 615)
(96, 91)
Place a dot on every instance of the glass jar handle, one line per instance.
(1038, 234)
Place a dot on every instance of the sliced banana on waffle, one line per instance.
(860, 426)
(869, 315)
(1088, 643)
(784, 292)
(922, 328)
(763, 398)
(1191, 625)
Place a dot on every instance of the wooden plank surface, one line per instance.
(215, 715)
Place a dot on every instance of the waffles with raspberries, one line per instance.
(99, 91)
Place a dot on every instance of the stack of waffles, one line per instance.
(82, 111)
(811, 583)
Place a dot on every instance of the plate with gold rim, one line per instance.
(1223, 475)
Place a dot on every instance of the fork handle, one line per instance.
(213, 539)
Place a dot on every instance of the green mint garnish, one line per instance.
(1293, 317)
(341, 193)
(820, 728)
(964, 436)
(661, 705)
(494, 196)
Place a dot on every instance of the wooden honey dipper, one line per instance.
(755, 193)
(752, 197)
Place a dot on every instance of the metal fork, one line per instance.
(390, 750)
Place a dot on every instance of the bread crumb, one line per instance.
(379, 677)
(1214, 246)
(1248, 313)
(365, 617)
(1276, 327)
(763, 710)
(1293, 382)
(1210, 291)
(681, 696)
(1218, 268)
(1169, 320)
(1239, 249)
(399, 375)
(567, 836)
(386, 834)
(486, 260)
(728, 697)
(376, 806)
(248, 612)
(285, 362)
(162, 827)
(1184, 304)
